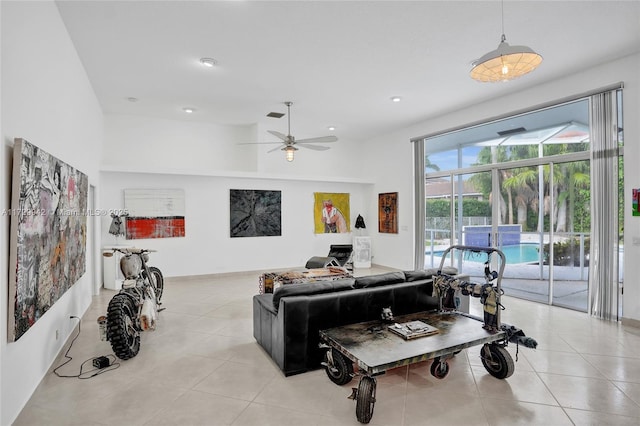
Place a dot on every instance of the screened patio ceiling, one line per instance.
(564, 124)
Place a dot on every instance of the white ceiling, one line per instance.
(339, 62)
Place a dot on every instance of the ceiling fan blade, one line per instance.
(274, 149)
(258, 143)
(314, 147)
(321, 139)
(278, 134)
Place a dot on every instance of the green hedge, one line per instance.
(470, 207)
(567, 253)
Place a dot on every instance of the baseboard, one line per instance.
(630, 322)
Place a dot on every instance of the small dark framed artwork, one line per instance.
(388, 213)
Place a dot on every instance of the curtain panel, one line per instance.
(603, 257)
(419, 182)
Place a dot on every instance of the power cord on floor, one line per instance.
(112, 364)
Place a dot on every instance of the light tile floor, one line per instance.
(203, 367)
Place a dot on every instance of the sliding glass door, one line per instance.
(522, 185)
(526, 232)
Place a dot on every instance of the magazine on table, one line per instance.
(413, 329)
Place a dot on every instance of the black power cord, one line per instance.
(98, 362)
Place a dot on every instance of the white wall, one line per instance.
(207, 247)
(143, 143)
(154, 144)
(206, 161)
(398, 250)
(46, 99)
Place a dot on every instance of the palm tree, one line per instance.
(429, 165)
(522, 181)
(571, 177)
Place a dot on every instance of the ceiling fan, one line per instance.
(290, 143)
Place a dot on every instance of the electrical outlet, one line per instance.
(57, 334)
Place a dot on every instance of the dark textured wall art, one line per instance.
(48, 234)
(255, 213)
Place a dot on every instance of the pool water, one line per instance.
(519, 253)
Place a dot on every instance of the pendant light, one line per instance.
(289, 152)
(506, 62)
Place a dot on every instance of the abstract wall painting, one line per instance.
(154, 213)
(255, 213)
(48, 234)
(388, 213)
(331, 213)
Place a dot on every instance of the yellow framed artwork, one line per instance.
(331, 213)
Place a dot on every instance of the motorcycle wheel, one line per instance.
(122, 331)
(157, 280)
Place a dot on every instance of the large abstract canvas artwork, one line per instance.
(48, 234)
(154, 213)
(331, 213)
(388, 213)
(255, 213)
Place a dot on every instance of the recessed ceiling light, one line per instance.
(208, 62)
(132, 99)
(396, 99)
(331, 128)
(188, 110)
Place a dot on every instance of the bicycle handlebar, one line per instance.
(125, 250)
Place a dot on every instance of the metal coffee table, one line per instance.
(380, 345)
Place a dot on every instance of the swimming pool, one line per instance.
(518, 253)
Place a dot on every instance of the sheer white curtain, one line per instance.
(603, 257)
(418, 175)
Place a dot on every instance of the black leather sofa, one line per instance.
(287, 323)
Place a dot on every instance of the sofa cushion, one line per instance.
(315, 287)
(379, 280)
(426, 274)
(411, 276)
(448, 270)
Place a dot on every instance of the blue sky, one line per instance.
(448, 160)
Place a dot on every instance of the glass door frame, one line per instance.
(495, 169)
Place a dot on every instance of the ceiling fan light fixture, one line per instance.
(289, 152)
(288, 142)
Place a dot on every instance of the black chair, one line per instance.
(339, 255)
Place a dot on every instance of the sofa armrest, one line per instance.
(264, 316)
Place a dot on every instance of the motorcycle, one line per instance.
(135, 307)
